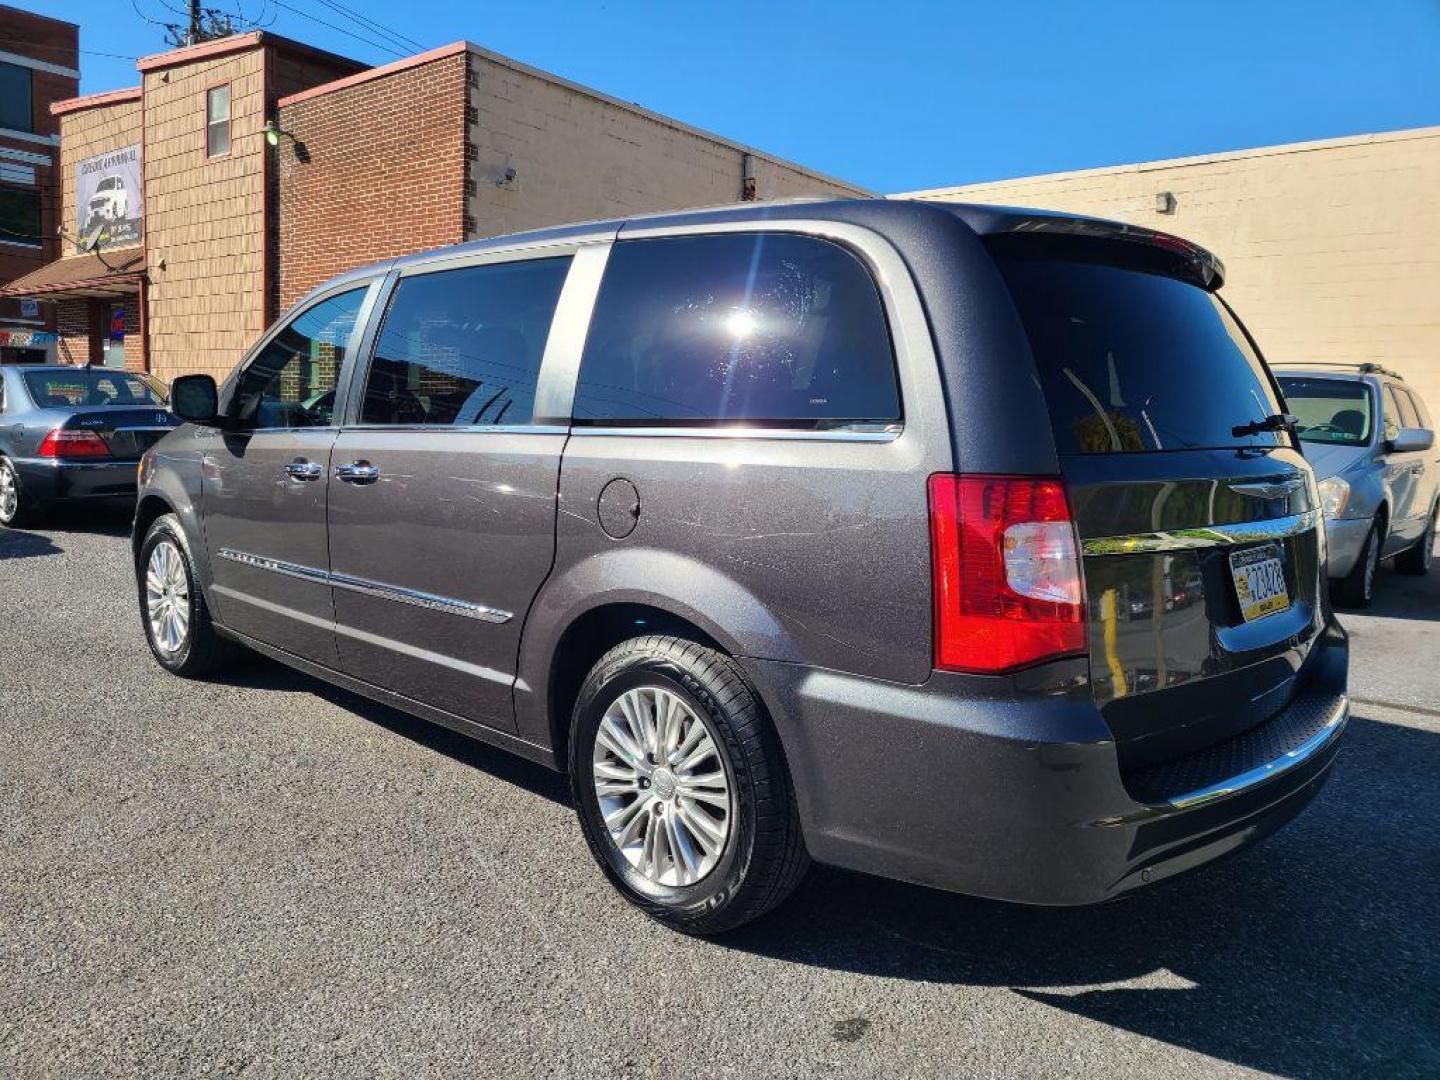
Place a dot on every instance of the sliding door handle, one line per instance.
(300, 469)
(357, 472)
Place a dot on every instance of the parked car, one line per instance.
(1371, 442)
(111, 202)
(790, 531)
(71, 433)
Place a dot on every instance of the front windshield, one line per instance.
(1330, 410)
(85, 387)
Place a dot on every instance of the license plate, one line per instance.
(1259, 575)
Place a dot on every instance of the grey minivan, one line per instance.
(962, 545)
(1371, 442)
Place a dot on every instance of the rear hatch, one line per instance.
(1202, 545)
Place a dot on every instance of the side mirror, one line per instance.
(1410, 440)
(195, 398)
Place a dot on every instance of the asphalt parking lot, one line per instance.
(267, 877)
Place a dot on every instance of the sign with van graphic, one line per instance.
(109, 203)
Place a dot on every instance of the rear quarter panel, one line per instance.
(794, 547)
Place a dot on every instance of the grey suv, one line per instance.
(1371, 442)
(961, 545)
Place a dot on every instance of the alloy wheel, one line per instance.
(167, 598)
(9, 493)
(663, 790)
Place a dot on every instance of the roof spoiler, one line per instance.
(1187, 260)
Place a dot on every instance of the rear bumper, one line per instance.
(1019, 796)
(1343, 540)
(49, 480)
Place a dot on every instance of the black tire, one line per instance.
(25, 512)
(1357, 588)
(1416, 560)
(201, 651)
(763, 857)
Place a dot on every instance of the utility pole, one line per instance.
(192, 35)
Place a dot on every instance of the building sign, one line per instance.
(109, 204)
(26, 339)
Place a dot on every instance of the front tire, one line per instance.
(172, 608)
(681, 786)
(1416, 560)
(1357, 588)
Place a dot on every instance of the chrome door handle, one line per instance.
(300, 469)
(357, 472)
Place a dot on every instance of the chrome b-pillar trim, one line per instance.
(414, 597)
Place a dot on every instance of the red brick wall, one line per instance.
(72, 323)
(54, 42)
(385, 174)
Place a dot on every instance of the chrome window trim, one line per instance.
(364, 586)
(1206, 536)
(449, 429)
(916, 364)
(679, 431)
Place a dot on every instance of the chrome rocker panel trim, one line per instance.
(370, 588)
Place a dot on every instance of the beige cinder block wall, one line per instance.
(1332, 248)
(580, 155)
(204, 216)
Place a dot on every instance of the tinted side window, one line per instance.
(291, 383)
(1394, 418)
(1409, 415)
(1420, 408)
(463, 347)
(759, 328)
(1136, 361)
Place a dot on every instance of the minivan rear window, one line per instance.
(763, 329)
(1132, 361)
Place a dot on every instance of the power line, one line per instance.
(366, 21)
(339, 29)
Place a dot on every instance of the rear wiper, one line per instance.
(1274, 422)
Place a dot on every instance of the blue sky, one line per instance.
(907, 95)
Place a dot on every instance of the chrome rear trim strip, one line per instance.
(1206, 536)
(1291, 759)
(366, 587)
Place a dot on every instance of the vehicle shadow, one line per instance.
(1315, 954)
(1400, 596)
(261, 673)
(19, 544)
(97, 518)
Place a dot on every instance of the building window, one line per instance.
(217, 121)
(20, 217)
(17, 105)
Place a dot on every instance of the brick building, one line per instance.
(1332, 248)
(227, 226)
(39, 58)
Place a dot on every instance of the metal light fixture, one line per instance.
(273, 134)
(1165, 202)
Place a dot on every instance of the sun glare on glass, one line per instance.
(741, 323)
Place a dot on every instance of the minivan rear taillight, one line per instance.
(1006, 572)
(73, 444)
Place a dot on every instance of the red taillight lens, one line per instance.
(1006, 569)
(73, 444)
